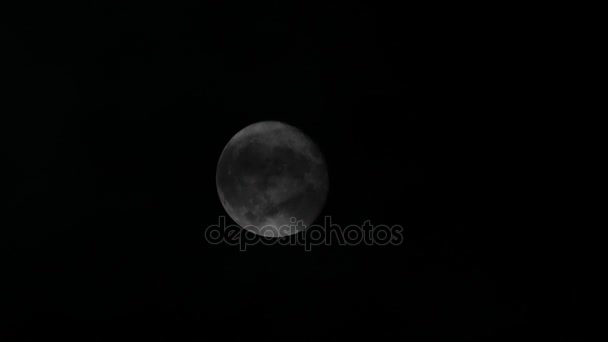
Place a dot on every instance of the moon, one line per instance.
(272, 179)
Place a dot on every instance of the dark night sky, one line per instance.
(123, 111)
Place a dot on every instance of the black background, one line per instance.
(122, 113)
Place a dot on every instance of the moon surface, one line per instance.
(272, 179)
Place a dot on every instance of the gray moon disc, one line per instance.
(272, 179)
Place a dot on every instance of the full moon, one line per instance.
(272, 179)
